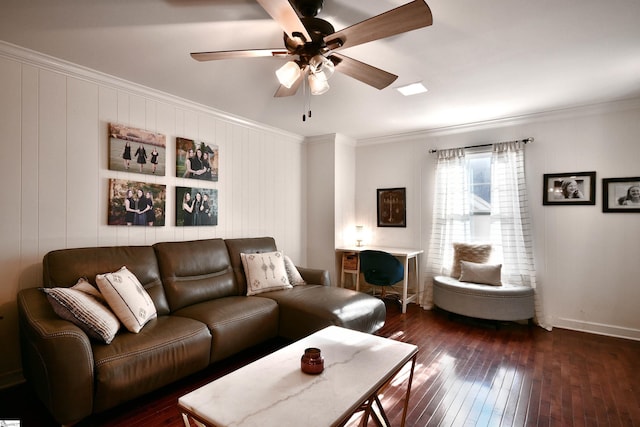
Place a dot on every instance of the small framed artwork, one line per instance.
(621, 195)
(136, 150)
(392, 207)
(196, 206)
(136, 203)
(570, 188)
(196, 160)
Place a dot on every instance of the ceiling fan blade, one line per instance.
(285, 15)
(364, 72)
(234, 54)
(285, 91)
(411, 16)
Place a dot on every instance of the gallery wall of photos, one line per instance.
(141, 203)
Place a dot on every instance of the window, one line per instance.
(479, 172)
(479, 168)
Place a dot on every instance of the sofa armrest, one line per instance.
(57, 359)
(315, 276)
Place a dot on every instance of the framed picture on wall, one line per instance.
(392, 207)
(196, 206)
(136, 150)
(621, 195)
(569, 188)
(136, 203)
(196, 160)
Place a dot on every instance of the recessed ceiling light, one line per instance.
(412, 89)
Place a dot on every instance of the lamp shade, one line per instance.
(288, 74)
(318, 84)
(321, 65)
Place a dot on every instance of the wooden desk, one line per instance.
(404, 254)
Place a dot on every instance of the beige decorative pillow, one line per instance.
(293, 274)
(84, 310)
(127, 298)
(478, 253)
(485, 274)
(265, 272)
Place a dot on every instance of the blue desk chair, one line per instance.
(381, 269)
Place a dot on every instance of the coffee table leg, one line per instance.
(406, 400)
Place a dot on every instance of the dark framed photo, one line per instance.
(136, 150)
(392, 207)
(570, 188)
(621, 195)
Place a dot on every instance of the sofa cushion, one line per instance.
(195, 271)
(236, 323)
(84, 310)
(251, 245)
(295, 278)
(309, 308)
(166, 349)
(61, 268)
(487, 274)
(265, 272)
(468, 252)
(127, 298)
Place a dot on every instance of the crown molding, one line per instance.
(557, 114)
(47, 62)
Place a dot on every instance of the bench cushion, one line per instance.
(506, 302)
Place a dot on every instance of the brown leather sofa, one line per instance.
(204, 315)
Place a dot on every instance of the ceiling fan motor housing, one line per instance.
(308, 8)
(317, 29)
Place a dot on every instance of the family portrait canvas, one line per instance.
(136, 150)
(196, 160)
(196, 206)
(569, 188)
(621, 195)
(136, 203)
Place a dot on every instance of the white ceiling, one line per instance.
(481, 59)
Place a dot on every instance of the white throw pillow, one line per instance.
(485, 274)
(265, 272)
(293, 274)
(479, 253)
(127, 298)
(84, 310)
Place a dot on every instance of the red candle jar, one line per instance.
(312, 361)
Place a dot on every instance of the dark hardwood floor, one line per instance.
(468, 373)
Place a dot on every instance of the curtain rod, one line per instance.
(526, 141)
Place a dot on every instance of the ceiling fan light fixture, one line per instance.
(288, 74)
(318, 85)
(321, 65)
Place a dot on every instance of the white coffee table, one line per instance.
(273, 391)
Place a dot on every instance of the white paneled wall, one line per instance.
(54, 165)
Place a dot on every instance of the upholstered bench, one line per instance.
(505, 302)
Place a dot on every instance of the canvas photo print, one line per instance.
(196, 207)
(196, 160)
(136, 203)
(136, 150)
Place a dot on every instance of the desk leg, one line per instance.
(405, 285)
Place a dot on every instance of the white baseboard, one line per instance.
(598, 328)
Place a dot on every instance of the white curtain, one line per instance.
(451, 218)
(511, 228)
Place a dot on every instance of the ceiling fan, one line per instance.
(312, 44)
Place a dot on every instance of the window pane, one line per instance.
(480, 173)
